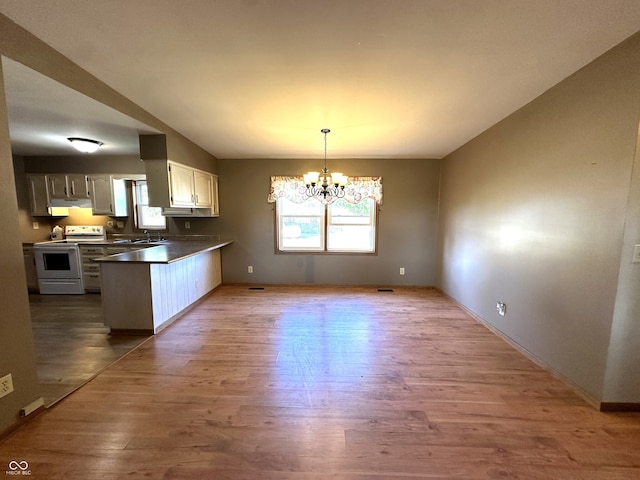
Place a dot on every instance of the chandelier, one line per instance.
(322, 184)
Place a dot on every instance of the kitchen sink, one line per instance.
(138, 241)
(150, 241)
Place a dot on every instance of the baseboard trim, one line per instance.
(587, 397)
(619, 407)
(20, 421)
(138, 332)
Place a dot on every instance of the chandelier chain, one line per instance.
(323, 185)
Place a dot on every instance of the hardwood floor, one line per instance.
(317, 383)
(72, 344)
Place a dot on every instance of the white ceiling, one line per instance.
(390, 78)
(43, 114)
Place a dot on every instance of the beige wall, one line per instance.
(17, 355)
(533, 214)
(622, 378)
(407, 225)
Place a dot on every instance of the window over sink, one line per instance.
(146, 217)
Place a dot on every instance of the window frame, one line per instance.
(374, 216)
(137, 216)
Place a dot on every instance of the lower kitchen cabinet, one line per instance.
(30, 268)
(145, 297)
(91, 268)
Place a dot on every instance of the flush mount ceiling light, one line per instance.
(85, 145)
(322, 184)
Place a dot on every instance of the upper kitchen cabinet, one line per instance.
(73, 186)
(181, 185)
(39, 197)
(190, 187)
(180, 189)
(203, 188)
(109, 195)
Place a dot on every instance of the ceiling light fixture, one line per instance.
(322, 184)
(85, 145)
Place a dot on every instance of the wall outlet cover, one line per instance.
(6, 385)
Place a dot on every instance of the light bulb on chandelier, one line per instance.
(321, 184)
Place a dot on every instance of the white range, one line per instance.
(58, 262)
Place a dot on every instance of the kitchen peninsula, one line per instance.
(144, 290)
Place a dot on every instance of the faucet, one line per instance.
(146, 232)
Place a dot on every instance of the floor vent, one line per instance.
(385, 289)
(256, 288)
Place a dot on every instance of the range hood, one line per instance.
(70, 203)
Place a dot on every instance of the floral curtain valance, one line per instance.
(293, 189)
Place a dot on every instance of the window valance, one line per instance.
(293, 189)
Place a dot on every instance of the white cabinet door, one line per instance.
(57, 186)
(109, 196)
(102, 201)
(38, 195)
(203, 182)
(181, 185)
(30, 268)
(78, 186)
(68, 186)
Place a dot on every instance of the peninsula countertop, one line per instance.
(165, 251)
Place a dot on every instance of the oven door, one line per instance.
(59, 262)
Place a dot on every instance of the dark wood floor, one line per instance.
(319, 383)
(72, 344)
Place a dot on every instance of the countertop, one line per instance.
(165, 251)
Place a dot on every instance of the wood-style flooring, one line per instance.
(72, 343)
(292, 383)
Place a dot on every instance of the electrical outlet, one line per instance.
(187, 225)
(250, 269)
(35, 225)
(401, 270)
(6, 385)
(501, 308)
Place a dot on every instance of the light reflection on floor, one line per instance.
(315, 350)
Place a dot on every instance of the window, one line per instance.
(300, 225)
(146, 217)
(351, 227)
(312, 226)
(346, 225)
